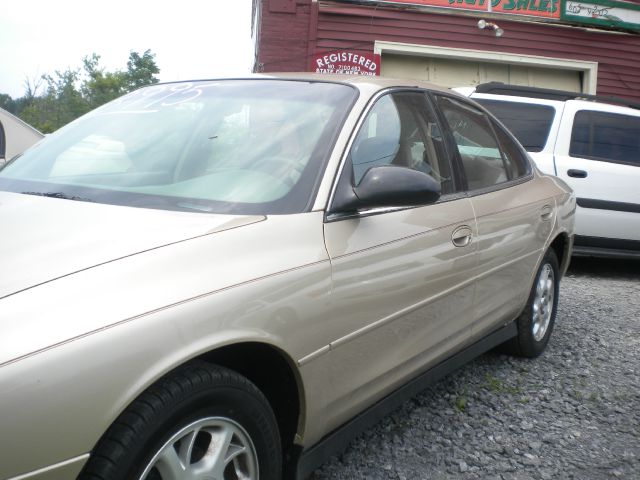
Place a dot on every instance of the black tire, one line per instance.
(200, 399)
(536, 321)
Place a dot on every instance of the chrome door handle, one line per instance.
(546, 212)
(461, 236)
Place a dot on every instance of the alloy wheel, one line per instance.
(213, 448)
(543, 302)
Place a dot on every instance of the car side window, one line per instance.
(402, 129)
(515, 159)
(483, 163)
(606, 136)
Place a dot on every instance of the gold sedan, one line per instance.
(229, 278)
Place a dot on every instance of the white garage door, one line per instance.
(466, 73)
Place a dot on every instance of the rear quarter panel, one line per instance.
(513, 235)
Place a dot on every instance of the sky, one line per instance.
(192, 39)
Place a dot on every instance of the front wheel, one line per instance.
(536, 322)
(200, 422)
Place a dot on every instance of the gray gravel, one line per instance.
(573, 413)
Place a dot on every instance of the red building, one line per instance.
(590, 46)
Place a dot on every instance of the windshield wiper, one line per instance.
(58, 195)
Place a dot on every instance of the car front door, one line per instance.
(402, 298)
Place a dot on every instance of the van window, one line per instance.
(611, 137)
(529, 123)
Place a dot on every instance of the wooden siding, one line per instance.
(289, 37)
(342, 26)
(282, 44)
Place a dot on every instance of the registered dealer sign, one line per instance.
(347, 62)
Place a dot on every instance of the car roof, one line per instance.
(579, 104)
(362, 82)
(513, 98)
(534, 94)
(380, 82)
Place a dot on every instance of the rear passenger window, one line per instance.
(606, 136)
(401, 129)
(529, 123)
(515, 158)
(481, 158)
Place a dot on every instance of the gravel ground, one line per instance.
(573, 413)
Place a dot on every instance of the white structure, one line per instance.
(15, 136)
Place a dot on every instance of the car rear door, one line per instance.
(402, 295)
(600, 160)
(514, 212)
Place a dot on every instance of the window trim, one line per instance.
(588, 69)
(607, 160)
(369, 212)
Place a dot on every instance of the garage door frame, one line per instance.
(589, 70)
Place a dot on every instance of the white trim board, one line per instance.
(589, 69)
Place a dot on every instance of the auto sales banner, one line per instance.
(602, 13)
(534, 8)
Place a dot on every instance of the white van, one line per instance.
(15, 136)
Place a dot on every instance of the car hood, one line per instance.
(44, 238)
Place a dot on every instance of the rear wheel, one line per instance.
(200, 422)
(536, 322)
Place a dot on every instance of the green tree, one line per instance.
(99, 86)
(63, 90)
(8, 103)
(71, 93)
(61, 103)
(141, 70)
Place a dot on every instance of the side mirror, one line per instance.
(386, 186)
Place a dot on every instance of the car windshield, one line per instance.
(237, 146)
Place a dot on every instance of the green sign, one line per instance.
(602, 13)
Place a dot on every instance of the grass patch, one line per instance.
(461, 403)
(497, 386)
